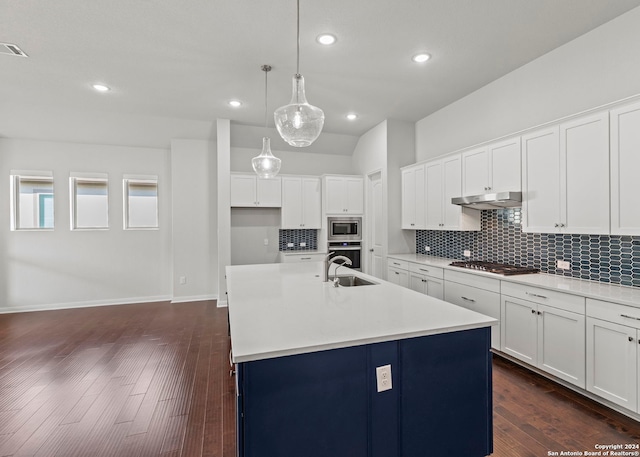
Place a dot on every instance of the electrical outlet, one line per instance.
(290, 245)
(427, 249)
(563, 265)
(266, 241)
(383, 378)
(183, 280)
(303, 245)
(467, 253)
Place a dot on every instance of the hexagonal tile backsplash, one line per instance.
(613, 259)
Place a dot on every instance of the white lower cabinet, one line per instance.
(476, 293)
(613, 353)
(550, 336)
(426, 280)
(398, 272)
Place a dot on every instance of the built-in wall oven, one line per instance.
(344, 228)
(349, 249)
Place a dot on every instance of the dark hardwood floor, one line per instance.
(153, 380)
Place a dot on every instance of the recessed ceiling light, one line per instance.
(352, 116)
(101, 87)
(326, 39)
(235, 103)
(421, 58)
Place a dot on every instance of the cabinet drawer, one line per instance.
(613, 312)
(482, 301)
(397, 264)
(426, 270)
(473, 280)
(560, 300)
(314, 257)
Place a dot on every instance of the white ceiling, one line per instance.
(173, 65)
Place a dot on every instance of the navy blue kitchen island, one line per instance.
(317, 395)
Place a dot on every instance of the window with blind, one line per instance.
(141, 203)
(32, 202)
(89, 202)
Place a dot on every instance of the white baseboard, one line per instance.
(223, 303)
(84, 304)
(193, 298)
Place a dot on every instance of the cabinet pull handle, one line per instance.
(395, 263)
(371, 250)
(422, 269)
(423, 280)
(630, 317)
(396, 272)
(536, 295)
(305, 258)
(539, 313)
(556, 225)
(468, 299)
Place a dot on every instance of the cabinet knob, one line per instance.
(533, 311)
(631, 338)
(556, 225)
(539, 313)
(561, 225)
(371, 250)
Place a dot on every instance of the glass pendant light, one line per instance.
(299, 123)
(266, 165)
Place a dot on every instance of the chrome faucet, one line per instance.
(328, 261)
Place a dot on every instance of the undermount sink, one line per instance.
(351, 281)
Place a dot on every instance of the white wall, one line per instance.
(194, 184)
(294, 163)
(61, 268)
(599, 67)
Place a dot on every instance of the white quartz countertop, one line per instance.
(284, 309)
(623, 295)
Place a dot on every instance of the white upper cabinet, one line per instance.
(564, 177)
(444, 182)
(413, 197)
(492, 168)
(250, 191)
(301, 203)
(625, 163)
(344, 194)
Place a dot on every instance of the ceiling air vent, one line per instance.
(12, 49)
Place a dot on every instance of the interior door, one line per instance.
(376, 265)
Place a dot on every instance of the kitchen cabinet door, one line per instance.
(413, 198)
(612, 362)
(625, 163)
(398, 276)
(519, 329)
(311, 203)
(418, 283)
(584, 151)
(269, 192)
(434, 195)
(344, 194)
(250, 191)
(541, 181)
(475, 172)
(504, 166)
(444, 182)
(301, 203)
(243, 190)
(561, 344)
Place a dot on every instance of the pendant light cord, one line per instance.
(266, 69)
(298, 33)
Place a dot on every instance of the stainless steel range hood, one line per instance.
(490, 201)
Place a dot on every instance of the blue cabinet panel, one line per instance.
(308, 405)
(446, 399)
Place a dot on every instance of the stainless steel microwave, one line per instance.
(345, 228)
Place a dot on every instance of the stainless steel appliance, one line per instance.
(345, 229)
(350, 249)
(490, 201)
(494, 267)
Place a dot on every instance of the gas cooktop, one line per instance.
(494, 267)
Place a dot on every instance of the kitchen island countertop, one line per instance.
(285, 309)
